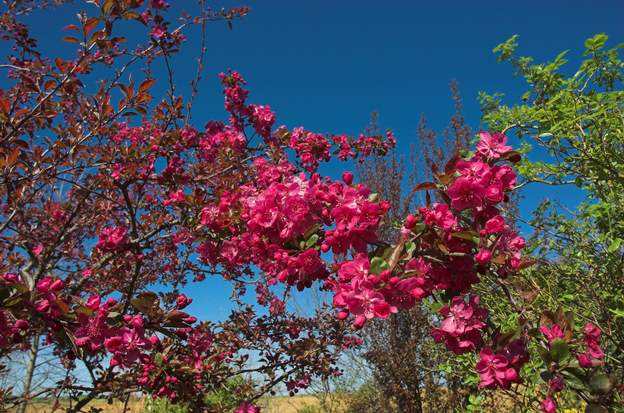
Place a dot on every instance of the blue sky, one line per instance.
(327, 65)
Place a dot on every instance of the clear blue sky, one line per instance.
(328, 64)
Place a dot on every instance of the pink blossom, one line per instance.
(484, 256)
(366, 305)
(112, 239)
(556, 384)
(38, 249)
(94, 330)
(347, 177)
(310, 148)
(262, 119)
(466, 193)
(460, 329)
(175, 197)
(585, 360)
(303, 269)
(492, 145)
(247, 408)
(158, 31)
(549, 405)
(11, 278)
(494, 370)
(439, 215)
(183, 301)
(494, 225)
(593, 352)
(128, 344)
(552, 333)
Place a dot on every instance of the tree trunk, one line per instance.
(30, 371)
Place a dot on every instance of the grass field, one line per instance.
(269, 405)
(275, 404)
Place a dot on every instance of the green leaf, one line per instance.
(597, 42)
(436, 306)
(505, 50)
(312, 241)
(410, 247)
(114, 317)
(615, 245)
(374, 197)
(544, 354)
(467, 235)
(618, 312)
(378, 264)
(601, 383)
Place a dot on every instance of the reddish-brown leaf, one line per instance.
(4, 105)
(449, 168)
(425, 186)
(61, 64)
(90, 25)
(10, 160)
(70, 39)
(146, 84)
(49, 85)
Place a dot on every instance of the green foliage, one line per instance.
(574, 123)
(222, 400)
(368, 399)
(229, 396)
(163, 405)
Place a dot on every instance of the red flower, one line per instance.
(492, 145)
(494, 370)
(112, 239)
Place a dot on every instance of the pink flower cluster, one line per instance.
(356, 218)
(128, 344)
(480, 184)
(48, 301)
(285, 216)
(311, 148)
(555, 385)
(160, 380)
(356, 294)
(247, 408)
(591, 339)
(492, 145)
(552, 332)
(261, 118)
(368, 144)
(453, 243)
(461, 328)
(94, 329)
(501, 369)
(11, 331)
(112, 239)
(593, 352)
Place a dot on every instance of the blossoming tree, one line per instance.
(112, 201)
